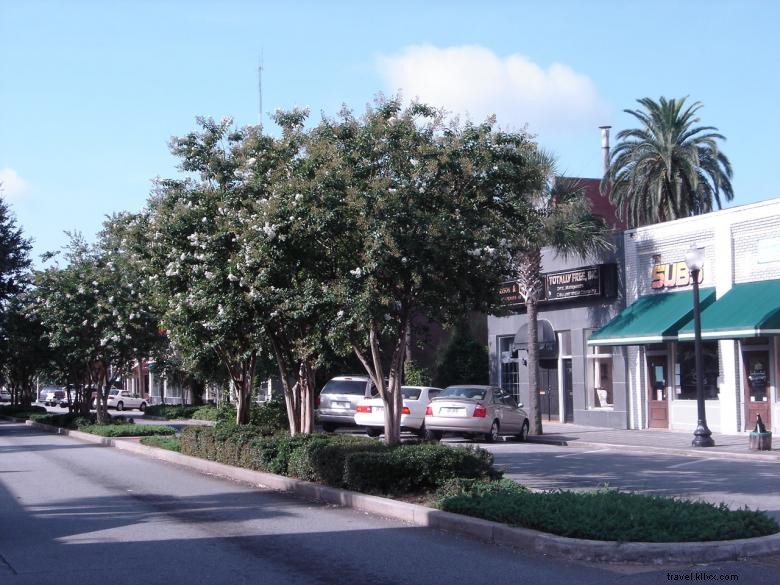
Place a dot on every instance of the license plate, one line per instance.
(340, 404)
(448, 410)
(377, 409)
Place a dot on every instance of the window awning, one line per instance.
(653, 318)
(750, 309)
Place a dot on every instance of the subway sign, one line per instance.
(673, 275)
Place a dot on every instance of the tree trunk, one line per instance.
(242, 381)
(535, 413)
(306, 385)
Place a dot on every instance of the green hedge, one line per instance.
(415, 468)
(21, 411)
(128, 430)
(168, 442)
(357, 463)
(612, 515)
(65, 420)
(173, 411)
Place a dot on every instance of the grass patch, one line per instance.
(172, 443)
(128, 430)
(609, 515)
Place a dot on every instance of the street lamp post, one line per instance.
(702, 436)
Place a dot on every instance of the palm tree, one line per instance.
(669, 168)
(565, 226)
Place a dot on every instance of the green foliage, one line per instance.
(415, 375)
(21, 411)
(128, 430)
(173, 411)
(464, 360)
(66, 420)
(478, 487)
(270, 416)
(612, 515)
(323, 458)
(669, 167)
(205, 413)
(415, 468)
(170, 443)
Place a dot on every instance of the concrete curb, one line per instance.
(484, 530)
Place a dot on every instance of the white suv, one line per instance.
(124, 399)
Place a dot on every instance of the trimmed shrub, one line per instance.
(613, 515)
(415, 468)
(65, 420)
(270, 416)
(205, 413)
(323, 458)
(21, 411)
(128, 430)
(172, 411)
(170, 443)
(478, 487)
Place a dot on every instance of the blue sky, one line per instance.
(92, 91)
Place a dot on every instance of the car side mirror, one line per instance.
(519, 405)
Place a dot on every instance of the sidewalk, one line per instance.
(663, 441)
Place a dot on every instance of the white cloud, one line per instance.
(473, 81)
(12, 186)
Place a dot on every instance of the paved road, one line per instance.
(73, 513)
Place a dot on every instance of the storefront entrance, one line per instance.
(568, 391)
(548, 390)
(658, 392)
(757, 384)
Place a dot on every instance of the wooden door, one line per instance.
(658, 393)
(757, 385)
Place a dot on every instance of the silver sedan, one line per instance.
(476, 411)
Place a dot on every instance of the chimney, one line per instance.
(605, 148)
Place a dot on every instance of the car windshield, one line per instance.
(410, 393)
(356, 387)
(113, 392)
(464, 392)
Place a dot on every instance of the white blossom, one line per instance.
(357, 272)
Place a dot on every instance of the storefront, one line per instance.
(577, 383)
(740, 319)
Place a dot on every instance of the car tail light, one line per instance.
(363, 408)
(405, 410)
(480, 411)
(428, 411)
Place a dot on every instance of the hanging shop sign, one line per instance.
(586, 283)
(673, 275)
(573, 284)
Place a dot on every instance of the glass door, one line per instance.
(757, 385)
(658, 392)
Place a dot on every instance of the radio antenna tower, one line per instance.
(260, 90)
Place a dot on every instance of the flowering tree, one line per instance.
(422, 199)
(96, 315)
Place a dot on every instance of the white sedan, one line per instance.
(124, 399)
(370, 412)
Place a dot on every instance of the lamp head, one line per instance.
(694, 258)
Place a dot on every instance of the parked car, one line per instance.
(5, 395)
(476, 411)
(55, 397)
(369, 412)
(335, 406)
(123, 399)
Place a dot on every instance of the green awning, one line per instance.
(654, 318)
(751, 309)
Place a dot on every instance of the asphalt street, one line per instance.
(75, 513)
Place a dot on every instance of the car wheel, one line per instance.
(492, 436)
(373, 432)
(142, 408)
(120, 405)
(432, 435)
(328, 427)
(523, 435)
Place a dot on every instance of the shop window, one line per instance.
(685, 371)
(599, 385)
(507, 363)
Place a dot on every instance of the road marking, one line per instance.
(688, 463)
(581, 453)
